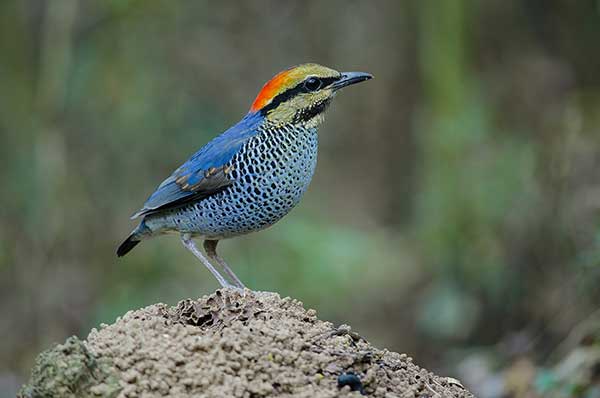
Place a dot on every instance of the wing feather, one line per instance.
(205, 173)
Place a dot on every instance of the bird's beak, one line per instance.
(349, 78)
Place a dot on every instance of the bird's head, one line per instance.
(301, 94)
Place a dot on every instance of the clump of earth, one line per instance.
(230, 344)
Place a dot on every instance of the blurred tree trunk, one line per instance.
(443, 137)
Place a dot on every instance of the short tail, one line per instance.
(133, 239)
(127, 245)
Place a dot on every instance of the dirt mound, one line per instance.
(70, 370)
(253, 344)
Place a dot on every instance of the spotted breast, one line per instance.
(269, 176)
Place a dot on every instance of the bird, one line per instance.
(250, 176)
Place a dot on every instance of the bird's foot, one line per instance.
(235, 289)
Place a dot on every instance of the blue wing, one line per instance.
(205, 173)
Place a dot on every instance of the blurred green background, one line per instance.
(455, 210)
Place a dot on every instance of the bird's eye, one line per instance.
(312, 84)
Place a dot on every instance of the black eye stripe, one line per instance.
(292, 92)
(329, 80)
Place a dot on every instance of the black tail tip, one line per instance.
(126, 246)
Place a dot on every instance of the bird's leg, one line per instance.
(211, 251)
(187, 241)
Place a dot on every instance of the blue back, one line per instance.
(269, 175)
(218, 152)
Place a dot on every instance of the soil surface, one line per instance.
(233, 344)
